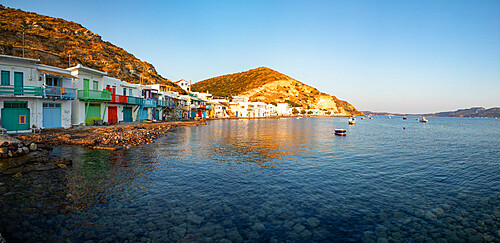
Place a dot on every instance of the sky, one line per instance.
(394, 56)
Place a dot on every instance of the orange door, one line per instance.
(112, 114)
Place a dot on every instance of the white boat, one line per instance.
(352, 120)
(340, 132)
(423, 120)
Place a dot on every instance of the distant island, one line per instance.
(476, 112)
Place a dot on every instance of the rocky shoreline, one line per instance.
(108, 137)
(31, 152)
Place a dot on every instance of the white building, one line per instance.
(283, 109)
(34, 95)
(92, 96)
(184, 85)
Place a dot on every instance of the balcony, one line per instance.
(94, 95)
(131, 100)
(162, 103)
(194, 106)
(24, 90)
(118, 99)
(149, 103)
(56, 92)
(171, 104)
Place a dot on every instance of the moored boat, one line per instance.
(340, 132)
(404, 118)
(423, 120)
(352, 120)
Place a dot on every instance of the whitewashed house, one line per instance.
(33, 95)
(283, 109)
(92, 97)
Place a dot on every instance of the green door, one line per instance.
(93, 112)
(18, 83)
(15, 116)
(86, 84)
(127, 114)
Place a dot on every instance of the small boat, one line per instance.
(404, 118)
(423, 120)
(371, 117)
(340, 132)
(352, 120)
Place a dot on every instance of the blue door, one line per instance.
(51, 115)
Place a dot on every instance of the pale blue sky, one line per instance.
(396, 56)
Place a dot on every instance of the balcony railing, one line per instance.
(24, 90)
(56, 92)
(96, 95)
(171, 104)
(132, 100)
(149, 103)
(118, 99)
(162, 103)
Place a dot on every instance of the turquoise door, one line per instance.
(18, 83)
(127, 114)
(15, 116)
(156, 115)
(144, 114)
(51, 115)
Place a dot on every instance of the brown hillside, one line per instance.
(266, 85)
(59, 43)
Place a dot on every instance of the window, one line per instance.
(130, 92)
(95, 85)
(57, 105)
(15, 104)
(5, 78)
(52, 81)
(124, 91)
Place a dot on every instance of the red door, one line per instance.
(112, 114)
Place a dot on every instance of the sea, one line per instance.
(271, 180)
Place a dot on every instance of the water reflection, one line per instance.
(194, 185)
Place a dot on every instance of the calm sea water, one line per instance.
(272, 180)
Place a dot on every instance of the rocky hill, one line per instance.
(472, 112)
(61, 43)
(266, 85)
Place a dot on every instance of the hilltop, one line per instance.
(59, 43)
(472, 112)
(480, 112)
(267, 85)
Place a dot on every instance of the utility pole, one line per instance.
(23, 43)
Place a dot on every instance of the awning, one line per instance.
(53, 73)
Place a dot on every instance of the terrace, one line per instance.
(56, 92)
(94, 95)
(20, 90)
